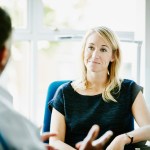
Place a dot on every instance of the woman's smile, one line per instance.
(94, 62)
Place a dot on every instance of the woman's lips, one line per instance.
(95, 62)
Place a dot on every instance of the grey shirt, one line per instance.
(16, 132)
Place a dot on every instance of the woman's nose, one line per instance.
(96, 54)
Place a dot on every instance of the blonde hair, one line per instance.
(114, 83)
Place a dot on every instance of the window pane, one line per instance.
(16, 76)
(17, 10)
(56, 61)
(129, 61)
(82, 14)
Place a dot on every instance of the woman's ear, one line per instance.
(112, 59)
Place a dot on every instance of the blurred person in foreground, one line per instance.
(17, 132)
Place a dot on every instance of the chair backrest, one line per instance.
(47, 114)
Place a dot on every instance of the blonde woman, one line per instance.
(100, 97)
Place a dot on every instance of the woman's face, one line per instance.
(97, 54)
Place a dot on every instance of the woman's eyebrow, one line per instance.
(105, 46)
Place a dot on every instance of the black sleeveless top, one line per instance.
(81, 112)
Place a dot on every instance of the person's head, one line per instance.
(5, 34)
(101, 46)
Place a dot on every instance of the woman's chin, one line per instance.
(93, 69)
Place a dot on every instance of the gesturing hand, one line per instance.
(89, 143)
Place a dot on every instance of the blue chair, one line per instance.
(47, 114)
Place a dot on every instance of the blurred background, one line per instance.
(47, 39)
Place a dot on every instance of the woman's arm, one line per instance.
(58, 125)
(142, 117)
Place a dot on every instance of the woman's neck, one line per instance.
(97, 80)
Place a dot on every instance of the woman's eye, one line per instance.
(103, 50)
(91, 48)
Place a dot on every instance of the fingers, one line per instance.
(45, 136)
(87, 142)
(93, 133)
(78, 145)
(103, 139)
(48, 147)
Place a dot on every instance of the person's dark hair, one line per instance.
(5, 27)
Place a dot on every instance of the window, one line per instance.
(84, 14)
(47, 41)
(18, 11)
